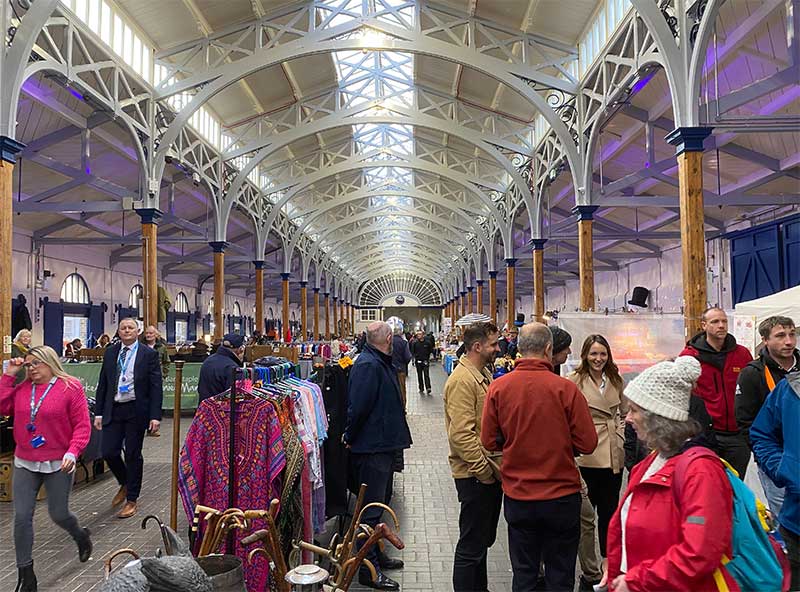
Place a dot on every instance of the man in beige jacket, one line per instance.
(475, 470)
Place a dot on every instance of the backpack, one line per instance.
(757, 564)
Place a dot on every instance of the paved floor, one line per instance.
(424, 498)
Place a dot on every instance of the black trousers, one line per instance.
(128, 429)
(477, 526)
(546, 530)
(603, 489)
(376, 471)
(733, 448)
(423, 374)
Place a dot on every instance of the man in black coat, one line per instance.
(376, 429)
(217, 370)
(129, 395)
(778, 357)
(421, 350)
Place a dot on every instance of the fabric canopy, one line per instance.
(747, 315)
(471, 318)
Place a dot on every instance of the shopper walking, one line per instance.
(778, 357)
(421, 351)
(401, 356)
(775, 435)
(216, 373)
(721, 360)
(129, 395)
(675, 520)
(376, 430)
(475, 470)
(599, 380)
(51, 429)
(539, 421)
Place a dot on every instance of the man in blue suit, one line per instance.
(376, 429)
(129, 394)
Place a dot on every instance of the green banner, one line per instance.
(89, 373)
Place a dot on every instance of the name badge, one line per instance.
(38, 441)
(124, 389)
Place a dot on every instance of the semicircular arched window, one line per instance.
(181, 303)
(75, 290)
(137, 293)
(237, 310)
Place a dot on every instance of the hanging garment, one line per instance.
(260, 460)
(20, 317)
(164, 304)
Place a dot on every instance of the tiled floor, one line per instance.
(424, 499)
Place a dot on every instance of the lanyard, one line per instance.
(123, 369)
(35, 406)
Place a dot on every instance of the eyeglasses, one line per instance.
(33, 364)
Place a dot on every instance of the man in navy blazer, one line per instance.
(129, 394)
(376, 430)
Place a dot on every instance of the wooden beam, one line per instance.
(511, 307)
(493, 296)
(219, 287)
(259, 265)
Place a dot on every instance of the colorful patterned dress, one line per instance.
(259, 463)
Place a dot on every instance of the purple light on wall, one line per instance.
(88, 170)
(642, 82)
(76, 94)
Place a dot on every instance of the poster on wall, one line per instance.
(637, 341)
(447, 324)
(744, 329)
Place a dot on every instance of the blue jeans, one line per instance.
(773, 493)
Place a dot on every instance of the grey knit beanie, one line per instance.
(665, 389)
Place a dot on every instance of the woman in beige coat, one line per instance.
(599, 380)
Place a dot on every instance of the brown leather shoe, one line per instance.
(128, 510)
(120, 496)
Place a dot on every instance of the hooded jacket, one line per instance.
(717, 382)
(775, 435)
(216, 373)
(752, 388)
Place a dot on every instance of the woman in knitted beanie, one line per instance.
(674, 521)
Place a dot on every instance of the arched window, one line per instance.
(181, 303)
(211, 306)
(271, 314)
(237, 310)
(137, 293)
(74, 289)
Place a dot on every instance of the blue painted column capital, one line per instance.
(511, 262)
(492, 275)
(538, 243)
(285, 276)
(316, 290)
(150, 215)
(479, 283)
(258, 264)
(584, 212)
(303, 284)
(218, 246)
(470, 288)
(9, 148)
(688, 139)
(463, 292)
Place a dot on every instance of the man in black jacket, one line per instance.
(421, 350)
(376, 429)
(128, 400)
(217, 370)
(779, 356)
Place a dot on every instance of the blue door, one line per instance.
(756, 263)
(791, 253)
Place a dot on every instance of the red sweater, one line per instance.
(63, 418)
(540, 421)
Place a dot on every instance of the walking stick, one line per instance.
(176, 442)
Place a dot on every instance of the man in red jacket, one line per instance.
(721, 360)
(540, 421)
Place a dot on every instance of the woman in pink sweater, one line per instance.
(51, 429)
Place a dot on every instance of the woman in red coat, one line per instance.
(674, 521)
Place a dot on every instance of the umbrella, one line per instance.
(472, 318)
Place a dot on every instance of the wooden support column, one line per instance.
(463, 302)
(353, 319)
(342, 322)
(9, 148)
(259, 265)
(316, 313)
(585, 216)
(688, 142)
(303, 310)
(219, 287)
(150, 218)
(285, 303)
(479, 290)
(335, 317)
(327, 316)
(470, 301)
(538, 279)
(511, 307)
(493, 296)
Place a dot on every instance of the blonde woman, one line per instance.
(51, 429)
(20, 347)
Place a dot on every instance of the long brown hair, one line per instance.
(611, 370)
